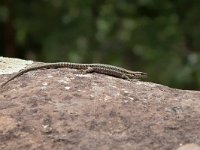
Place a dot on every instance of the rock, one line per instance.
(191, 146)
(64, 109)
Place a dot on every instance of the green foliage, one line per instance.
(158, 37)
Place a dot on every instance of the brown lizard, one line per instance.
(88, 68)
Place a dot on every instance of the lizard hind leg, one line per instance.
(87, 70)
(124, 76)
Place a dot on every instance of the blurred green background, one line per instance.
(161, 38)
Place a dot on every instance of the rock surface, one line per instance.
(64, 109)
(191, 146)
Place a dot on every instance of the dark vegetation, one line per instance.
(157, 37)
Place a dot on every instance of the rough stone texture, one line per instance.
(11, 65)
(189, 147)
(64, 109)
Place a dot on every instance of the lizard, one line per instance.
(88, 68)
